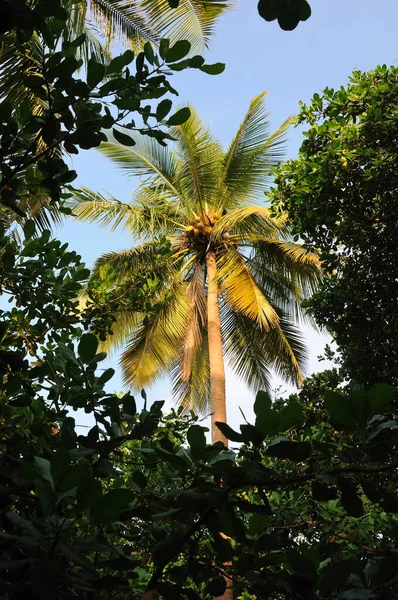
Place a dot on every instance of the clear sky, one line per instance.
(340, 36)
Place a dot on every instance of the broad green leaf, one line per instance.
(95, 73)
(29, 229)
(349, 497)
(163, 109)
(380, 398)
(339, 409)
(230, 524)
(44, 467)
(87, 347)
(282, 448)
(216, 587)
(196, 436)
(290, 416)
(178, 51)
(301, 564)
(229, 433)
(215, 69)
(179, 117)
(123, 138)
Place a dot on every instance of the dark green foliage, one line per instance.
(134, 502)
(48, 105)
(342, 195)
(288, 12)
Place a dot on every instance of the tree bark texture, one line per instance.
(217, 370)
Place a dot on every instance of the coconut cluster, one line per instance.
(198, 233)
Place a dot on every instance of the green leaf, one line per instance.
(164, 48)
(178, 51)
(216, 587)
(163, 109)
(129, 405)
(179, 117)
(230, 524)
(196, 437)
(339, 409)
(119, 62)
(262, 403)
(95, 73)
(290, 416)
(349, 497)
(29, 229)
(123, 138)
(215, 69)
(229, 433)
(322, 492)
(269, 9)
(251, 434)
(282, 448)
(59, 464)
(301, 564)
(44, 467)
(380, 398)
(87, 347)
(149, 53)
(305, 10)
(106, 376)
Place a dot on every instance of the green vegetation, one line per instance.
(133, 505)
(233, 280)
(341, 194)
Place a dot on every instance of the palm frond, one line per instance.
(242, 293)
(251, 155)
(297, 264)
(154, 346)
(192, 390)
(246, 221)
(252, 354)
(149, 215)
(142, 259)
(199, 158)
(193, 20)
(123, 20)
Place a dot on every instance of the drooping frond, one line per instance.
(252, 153)
(246, 358)
(154, 346)
(297, 264)
(193, 20)
(139, 260)
(149, 215)
(252, 354)
(146, 159)
(242, 293)
(16, 63)
(192, 390)
(123, 20)
(247, 221)
(200, 158)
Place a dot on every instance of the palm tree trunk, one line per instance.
(218, 404)
(217, 371)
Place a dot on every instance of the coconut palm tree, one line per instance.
(233, 280)
(132, 22)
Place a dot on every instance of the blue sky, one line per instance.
(341, 35)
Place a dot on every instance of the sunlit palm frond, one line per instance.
(126, 322)
(246, 221)
(123, 20)
(299, 265)
(200, 158)
(242, 293)
(154, 346)
(147, 159)
(148, 215)
(193, 20)
(142, 259)
(247, 360)
(251, 155)
(192, 390)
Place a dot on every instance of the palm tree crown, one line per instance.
(223, 241)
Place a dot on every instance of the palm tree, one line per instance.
(233, 280)
(104, 21)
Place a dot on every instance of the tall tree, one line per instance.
(342, 193)
(232, 281)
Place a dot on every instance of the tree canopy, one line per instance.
(342, 194)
